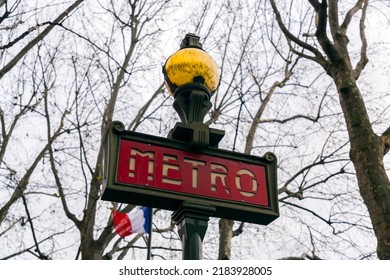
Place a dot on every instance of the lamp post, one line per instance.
(192, 77)
(187, 173)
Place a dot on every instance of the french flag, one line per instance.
(137, 221)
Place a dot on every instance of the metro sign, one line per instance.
(163, 173)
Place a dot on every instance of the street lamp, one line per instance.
(187, 173)
(192, 77)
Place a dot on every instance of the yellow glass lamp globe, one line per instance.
(188, 64)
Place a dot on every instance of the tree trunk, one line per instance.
(225, 238)
(366, 148)
(90, 249)
(366, 153)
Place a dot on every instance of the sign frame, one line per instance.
(172, 200)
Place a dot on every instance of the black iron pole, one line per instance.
(149, 250)
(192, 221)
(192, 103)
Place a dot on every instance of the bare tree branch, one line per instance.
(37, 39)
(23, 183)
(29, 220)
(137, 120)
(317, 54)
(351, 13)
(385, 140)
(363, 50)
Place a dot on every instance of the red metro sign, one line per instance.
(190, 173)
(162, 173)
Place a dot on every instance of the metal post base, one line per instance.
(192, 221)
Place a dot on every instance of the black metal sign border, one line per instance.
(170, 200)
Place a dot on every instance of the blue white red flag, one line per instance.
(137, 221)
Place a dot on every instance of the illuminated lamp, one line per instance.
(192, 77)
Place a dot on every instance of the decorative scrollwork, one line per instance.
(270, 156)
(117, 126)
